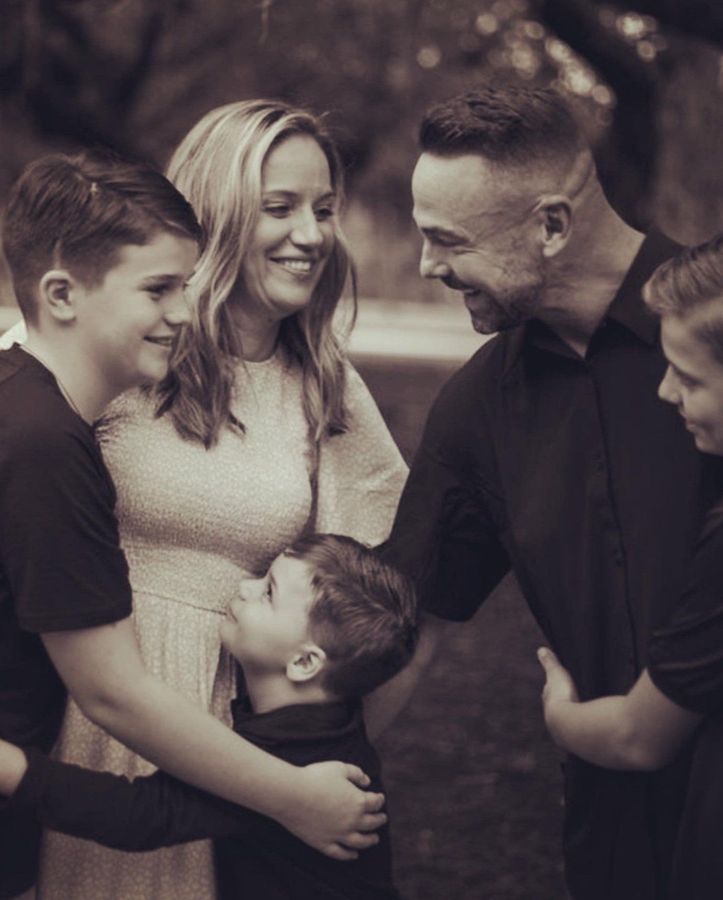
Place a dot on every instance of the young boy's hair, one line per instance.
(364, 613)
(77, 212)
(690, 281)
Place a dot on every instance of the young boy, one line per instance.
(328, 624)
(99, 251)
(684, 678)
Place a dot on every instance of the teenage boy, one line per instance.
(328, 624)
(645, 728)
(99, 251)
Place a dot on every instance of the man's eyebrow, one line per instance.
(436, 231)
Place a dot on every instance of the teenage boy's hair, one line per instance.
(76, 212)
(690, 281)
(364, 614)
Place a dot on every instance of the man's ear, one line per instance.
(56, 295)
(306, 663)
(554, 217)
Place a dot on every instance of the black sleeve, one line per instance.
(444, 535)
(59, 546)
(143, 814)
(686, 655)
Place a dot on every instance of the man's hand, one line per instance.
(13, 766)
(333, 815)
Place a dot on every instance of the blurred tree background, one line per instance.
(645, 76)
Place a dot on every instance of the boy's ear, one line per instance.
(306, 663)
(56, 294)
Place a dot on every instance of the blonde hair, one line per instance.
(218, 168)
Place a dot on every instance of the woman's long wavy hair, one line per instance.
(218, 168)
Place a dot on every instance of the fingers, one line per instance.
(336, 851)
(547, 659)
(373, 802)
(358, 841)
(356, 776)
(371, 822)
(351, 846)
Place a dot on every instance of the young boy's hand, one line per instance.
(559, 688)
(13, 766)
(333, 815)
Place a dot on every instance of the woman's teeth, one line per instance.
(299, 266)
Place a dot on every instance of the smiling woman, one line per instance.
(261, 431)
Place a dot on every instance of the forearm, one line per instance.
(145, 814)
(599, 731)
(105, 674)
(642, 730)
(195, 747)
(383, 706)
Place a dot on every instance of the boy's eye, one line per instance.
(267, 592)
(323, 213)
(156, 291)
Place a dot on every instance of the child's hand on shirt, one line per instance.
(559, 689)
(13, 766)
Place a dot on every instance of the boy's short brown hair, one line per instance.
(692, 281)
(76, 212)
(364, 613)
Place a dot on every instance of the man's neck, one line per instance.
(587, 278)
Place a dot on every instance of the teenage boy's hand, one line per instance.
(13, 766)
(559, 686)
(333, 815)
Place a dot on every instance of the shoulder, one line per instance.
(38, 425)
(464, 397)
(480, 375)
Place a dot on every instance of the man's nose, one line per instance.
(430, 266)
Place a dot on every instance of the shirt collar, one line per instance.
(295, 724)
(627, 306)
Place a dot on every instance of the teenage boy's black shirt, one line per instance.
(61, 567)
(574, 474)
(254, 855)
(686, 664)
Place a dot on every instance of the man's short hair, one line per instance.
(692, 281)
(364, 613)
(77, 212)
(510, 126)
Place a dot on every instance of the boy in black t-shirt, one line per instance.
(683, 680)
(99, 251)
(327, 624)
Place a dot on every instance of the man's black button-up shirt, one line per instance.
(573, 473)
